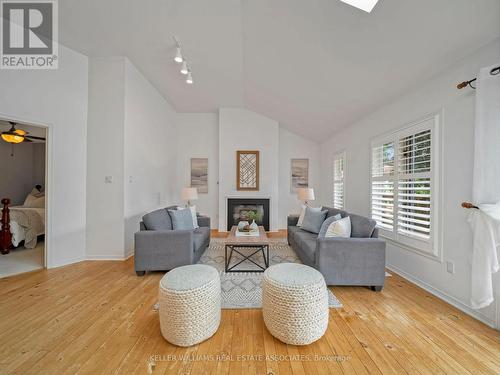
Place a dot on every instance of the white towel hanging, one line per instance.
(485, 224)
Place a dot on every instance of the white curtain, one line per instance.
(486, 186)
(485, 222)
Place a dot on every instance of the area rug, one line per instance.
(242, 290)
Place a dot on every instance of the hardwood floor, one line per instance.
(97, 317)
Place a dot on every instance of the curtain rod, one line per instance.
(469, 205)
(463, 84)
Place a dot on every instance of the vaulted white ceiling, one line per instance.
(313, 65)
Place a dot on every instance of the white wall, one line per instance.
(132, 138)
(39, 164)
(198, 137)
(292, 146)
(57, 99)
(150, 152)
(457, 152)
(241, 129)
(105, 210)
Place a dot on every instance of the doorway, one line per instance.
(23, 186)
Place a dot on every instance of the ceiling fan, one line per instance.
(14, 135)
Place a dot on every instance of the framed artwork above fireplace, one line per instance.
(247, 170)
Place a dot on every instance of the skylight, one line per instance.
(366, 5)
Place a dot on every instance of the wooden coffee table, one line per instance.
(246, 246)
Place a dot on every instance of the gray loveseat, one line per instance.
(359, 260)
(160, 248)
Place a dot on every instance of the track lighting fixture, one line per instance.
(181, 59)
(184, 68)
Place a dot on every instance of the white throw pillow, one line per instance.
(339, 228)
(193, 215)
(303, 213)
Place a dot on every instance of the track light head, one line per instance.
(189, 79)
(184, 68)
(178, 56)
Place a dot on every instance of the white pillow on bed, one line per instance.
(34, 202)
(32, 197)
(29, 200)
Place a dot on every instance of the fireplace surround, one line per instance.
(237, 207)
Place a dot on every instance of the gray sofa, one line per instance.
(160, 248)
(359, 260)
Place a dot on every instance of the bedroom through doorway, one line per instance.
(23, 171)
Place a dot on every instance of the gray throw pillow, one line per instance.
(181, 219)
(157, 220)
(313, 220)
(326, 224)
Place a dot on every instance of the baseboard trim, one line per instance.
(108, 257)
(444, 296)
(66, 262)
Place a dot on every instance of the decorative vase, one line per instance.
(254, 225)
(241, 225)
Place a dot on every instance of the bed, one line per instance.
(22, 224)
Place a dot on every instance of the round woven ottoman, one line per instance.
(295, 303)
(190, 304)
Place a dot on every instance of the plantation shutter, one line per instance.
(415, 185)
(338, 181)
(382, 189)
(404, 186)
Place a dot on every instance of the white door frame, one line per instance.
(49, 130)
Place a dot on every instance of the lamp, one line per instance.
(189, 194)
(305, 194)
(189, 79)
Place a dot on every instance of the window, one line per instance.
(338, 180)
(404, 187)
(383, 185)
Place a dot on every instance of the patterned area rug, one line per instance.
(242, 290)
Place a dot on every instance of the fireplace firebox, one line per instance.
(237, 208)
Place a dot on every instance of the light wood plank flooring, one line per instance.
(97, 318)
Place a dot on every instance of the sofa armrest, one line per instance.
(157, 249)
(353, 258)
(292, 220)
(331, 246)
(204, 221)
